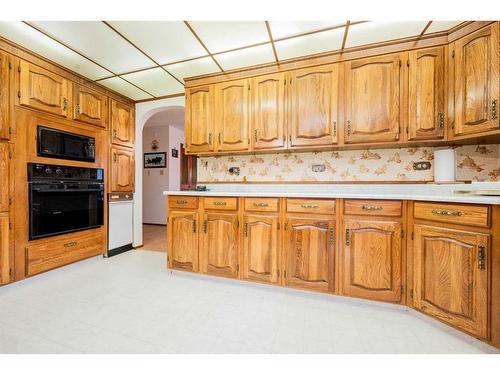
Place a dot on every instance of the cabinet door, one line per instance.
(372, 101)
(314, 106)
(4, 96)
(477, 81)
(43, 90)
(426, 118)
(268, 112)
(122, 124)
(372, 259)
(122, 169)
(451, 276)
(4, 248)
(4, 176)
(90, 106)
(231, 100)
(183, 240)
(200, 119)
(260, 248)
(309, 247)
(219, 244)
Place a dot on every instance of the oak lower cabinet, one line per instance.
(219, 242)
(122, 124)
(122, 162)
(90, 106)
(4, 248)
(183, 240)
(372, 258)
(451, 276)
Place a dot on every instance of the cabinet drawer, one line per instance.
(180, 201)
(220, 203)
(321, 206)
(453, 213)
(372, 207)
(70, 248)
(262, 204)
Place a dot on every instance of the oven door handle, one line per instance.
(40, 190)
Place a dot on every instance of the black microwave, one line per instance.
(54, 143)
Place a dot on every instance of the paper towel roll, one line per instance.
(444, 165)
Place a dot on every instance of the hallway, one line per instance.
(154, 237)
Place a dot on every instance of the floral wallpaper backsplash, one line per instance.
(474, 162)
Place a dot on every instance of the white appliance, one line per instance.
(120, 222)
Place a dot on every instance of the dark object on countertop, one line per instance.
(201, 188)
(234, 170)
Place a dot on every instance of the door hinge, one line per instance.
(10, 226)
(10, 154)
(10, 65)
(10, 130)
(284, 274)
(408, 63)
(19, 68)
(11, 273)
(411, 293)
(402, 289)
(347, 237)
(402, 234)
(237, 268)
(10, 201)
(19, 94)
(237, 223)
(168, 258)
(412, 236)
(279, 226)
(453, 54)
(205, 226)
(400, 64)
(286, 226)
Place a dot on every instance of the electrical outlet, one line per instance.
(318, 168)
(421, 165)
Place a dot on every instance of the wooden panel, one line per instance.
(43, 90)
(63, 250)
(260, 248)
(4, 96)
(220, 203)
(477, 81)
(372, 103)
(309, 248)
(478, 216)
(4, 176)
(426, 94)
(305, 205)
(4, 249)
(314, 106)
(90, 106)
(200, 119)
(372, 207)
(262, 204)
(122, 124)
(451, 283)
(219, 244)
(122, 169)
(182, 201)
(183, 240)
(268, 112)
(231, 113)
(372, 265)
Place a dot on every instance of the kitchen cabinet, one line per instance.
(373, 99)
(308, 250)
(183, 240)
(261, 248)
(267, 125)
(232, 115)
(219, 244)
(122, 169)
(372, 266)
(476, 65)
(43, 90)
(4, 248)
(200, 119)
(426, 94)
(451, 276)
(4, 177)
(4, 96)
(90, 106)
(313, 106)
(122, 124)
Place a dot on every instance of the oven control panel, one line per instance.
(37, 171)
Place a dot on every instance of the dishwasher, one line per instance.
(120, 223)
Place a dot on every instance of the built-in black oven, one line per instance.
(64, 199)
(54, 143)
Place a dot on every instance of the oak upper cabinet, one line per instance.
(308, 250)
(476, 59)
(43, 90)
(90, 106)
(232, 115)
(451, 276)
(122, 124)
(426, 94)
(373, 99)
(122, 169)
(4, 176)
(219, 244)
(4, 96)
(4, 249)
(313, 107)
(200, 135)
(260, 248)
(183, 240)
(372, 264)
(267, 125)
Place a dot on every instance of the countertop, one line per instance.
(418, 192)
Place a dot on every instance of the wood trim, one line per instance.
(161, 97)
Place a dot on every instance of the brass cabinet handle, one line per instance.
(220, 138)
(205, 226)
(255, 135)
(261, 204)
(368, 207)
(334, 128)
(194, 226)
(77, 109)
(245, 229)
(114, 158)
(64, 104)
(481, 258)
(494, 112)
(331, 235)
(219, 203)
(181, 201)
(114, 133)
(348, 122)
(70, 244)
(441, 120)
(209, 138)
(447, 212)
(305, 205)
(347, 237)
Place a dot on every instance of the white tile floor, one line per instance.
(131, 304)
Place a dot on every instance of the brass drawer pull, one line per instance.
(255, 136)
(306, 205)
(209, 138)
(494, 111)
(261, 204)
(194, 226)
(218, 203)
(368, 207)
(334, 128)
(64, 104)
(70, 244)
(447, 212)
(181, 201)
(332, 236)
(481, 258)
(441, 120)
(245, 230)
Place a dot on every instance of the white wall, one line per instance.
(175, 137)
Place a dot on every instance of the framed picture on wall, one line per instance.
(155, 160)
